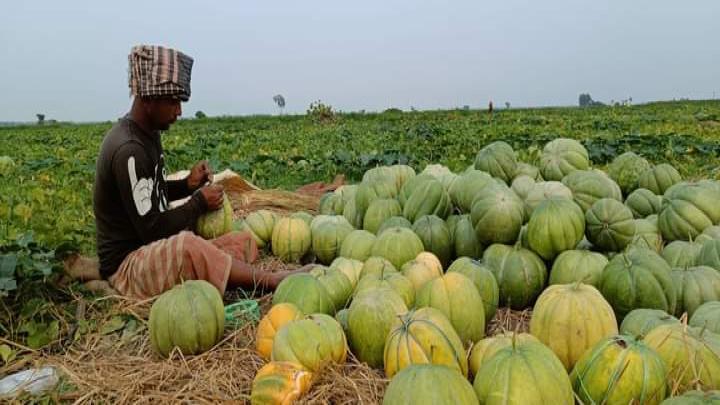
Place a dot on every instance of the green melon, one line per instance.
(352, 215)
(409, 187)
(711, 232)
(483, 279)
(421, 336)
(429, 198)
(573, 266)
(647, 235)
(369, 191)
(483, 350)
(311, 342)
(464, 238)
(380, 210)
(336, 283)
(350, 267)
(328, 236)
(306, 292)
(392, 222)
(542, 191)
(498, 159)
(443, 174)
(357, 245)
(419, 384)
(190, 317)
(342, 318)
(707, 316)
(397, 245)
(291, 239)
(522, 185)
(639, 322)
(570, 319)
(260, 224)
(214, 224)
(456, 297)
(681, 253)
(638, 278)
(375, 266)
(370, 318)
(523, 374)
(392, 280)
(659, 178)
(451, 221)
(588, 186)
(561, 157)
(303, 215)
(626, 169)
(619, 370)
(556, 225)
(520, 274)
(691, 356)
(643, 202)
(709, 254)
(331, 204)
(497, 215)
(609, 225)
(399, 173)
(465, 188)
(435, 237)
(687, 210)
(695, 286)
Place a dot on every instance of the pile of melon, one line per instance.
(621, 269)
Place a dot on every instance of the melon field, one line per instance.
(554, 255)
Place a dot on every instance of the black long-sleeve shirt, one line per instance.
(131, 195)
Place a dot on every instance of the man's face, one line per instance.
(163, 112)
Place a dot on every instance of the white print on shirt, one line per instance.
(141, 189)
(163, 205)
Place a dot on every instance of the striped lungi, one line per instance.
(157, 267)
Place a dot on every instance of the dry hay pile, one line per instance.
(121, 367)
(247, 197)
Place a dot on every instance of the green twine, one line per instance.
(241, 312)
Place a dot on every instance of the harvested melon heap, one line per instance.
(509, 282)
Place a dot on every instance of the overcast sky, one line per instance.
(68, 59)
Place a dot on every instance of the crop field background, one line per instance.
(50, 190)
(46, 199)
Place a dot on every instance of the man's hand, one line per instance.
(213, 196)
(200, 174)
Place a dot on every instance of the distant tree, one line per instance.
(200, 115)
(41, 118)
(507, 105)
(584, 100)
(280, 101)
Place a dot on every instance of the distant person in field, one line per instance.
(144, 246)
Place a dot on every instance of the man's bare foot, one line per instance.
(100, 286)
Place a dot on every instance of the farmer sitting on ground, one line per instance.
(144, 246)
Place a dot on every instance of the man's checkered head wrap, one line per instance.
(156, 71)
